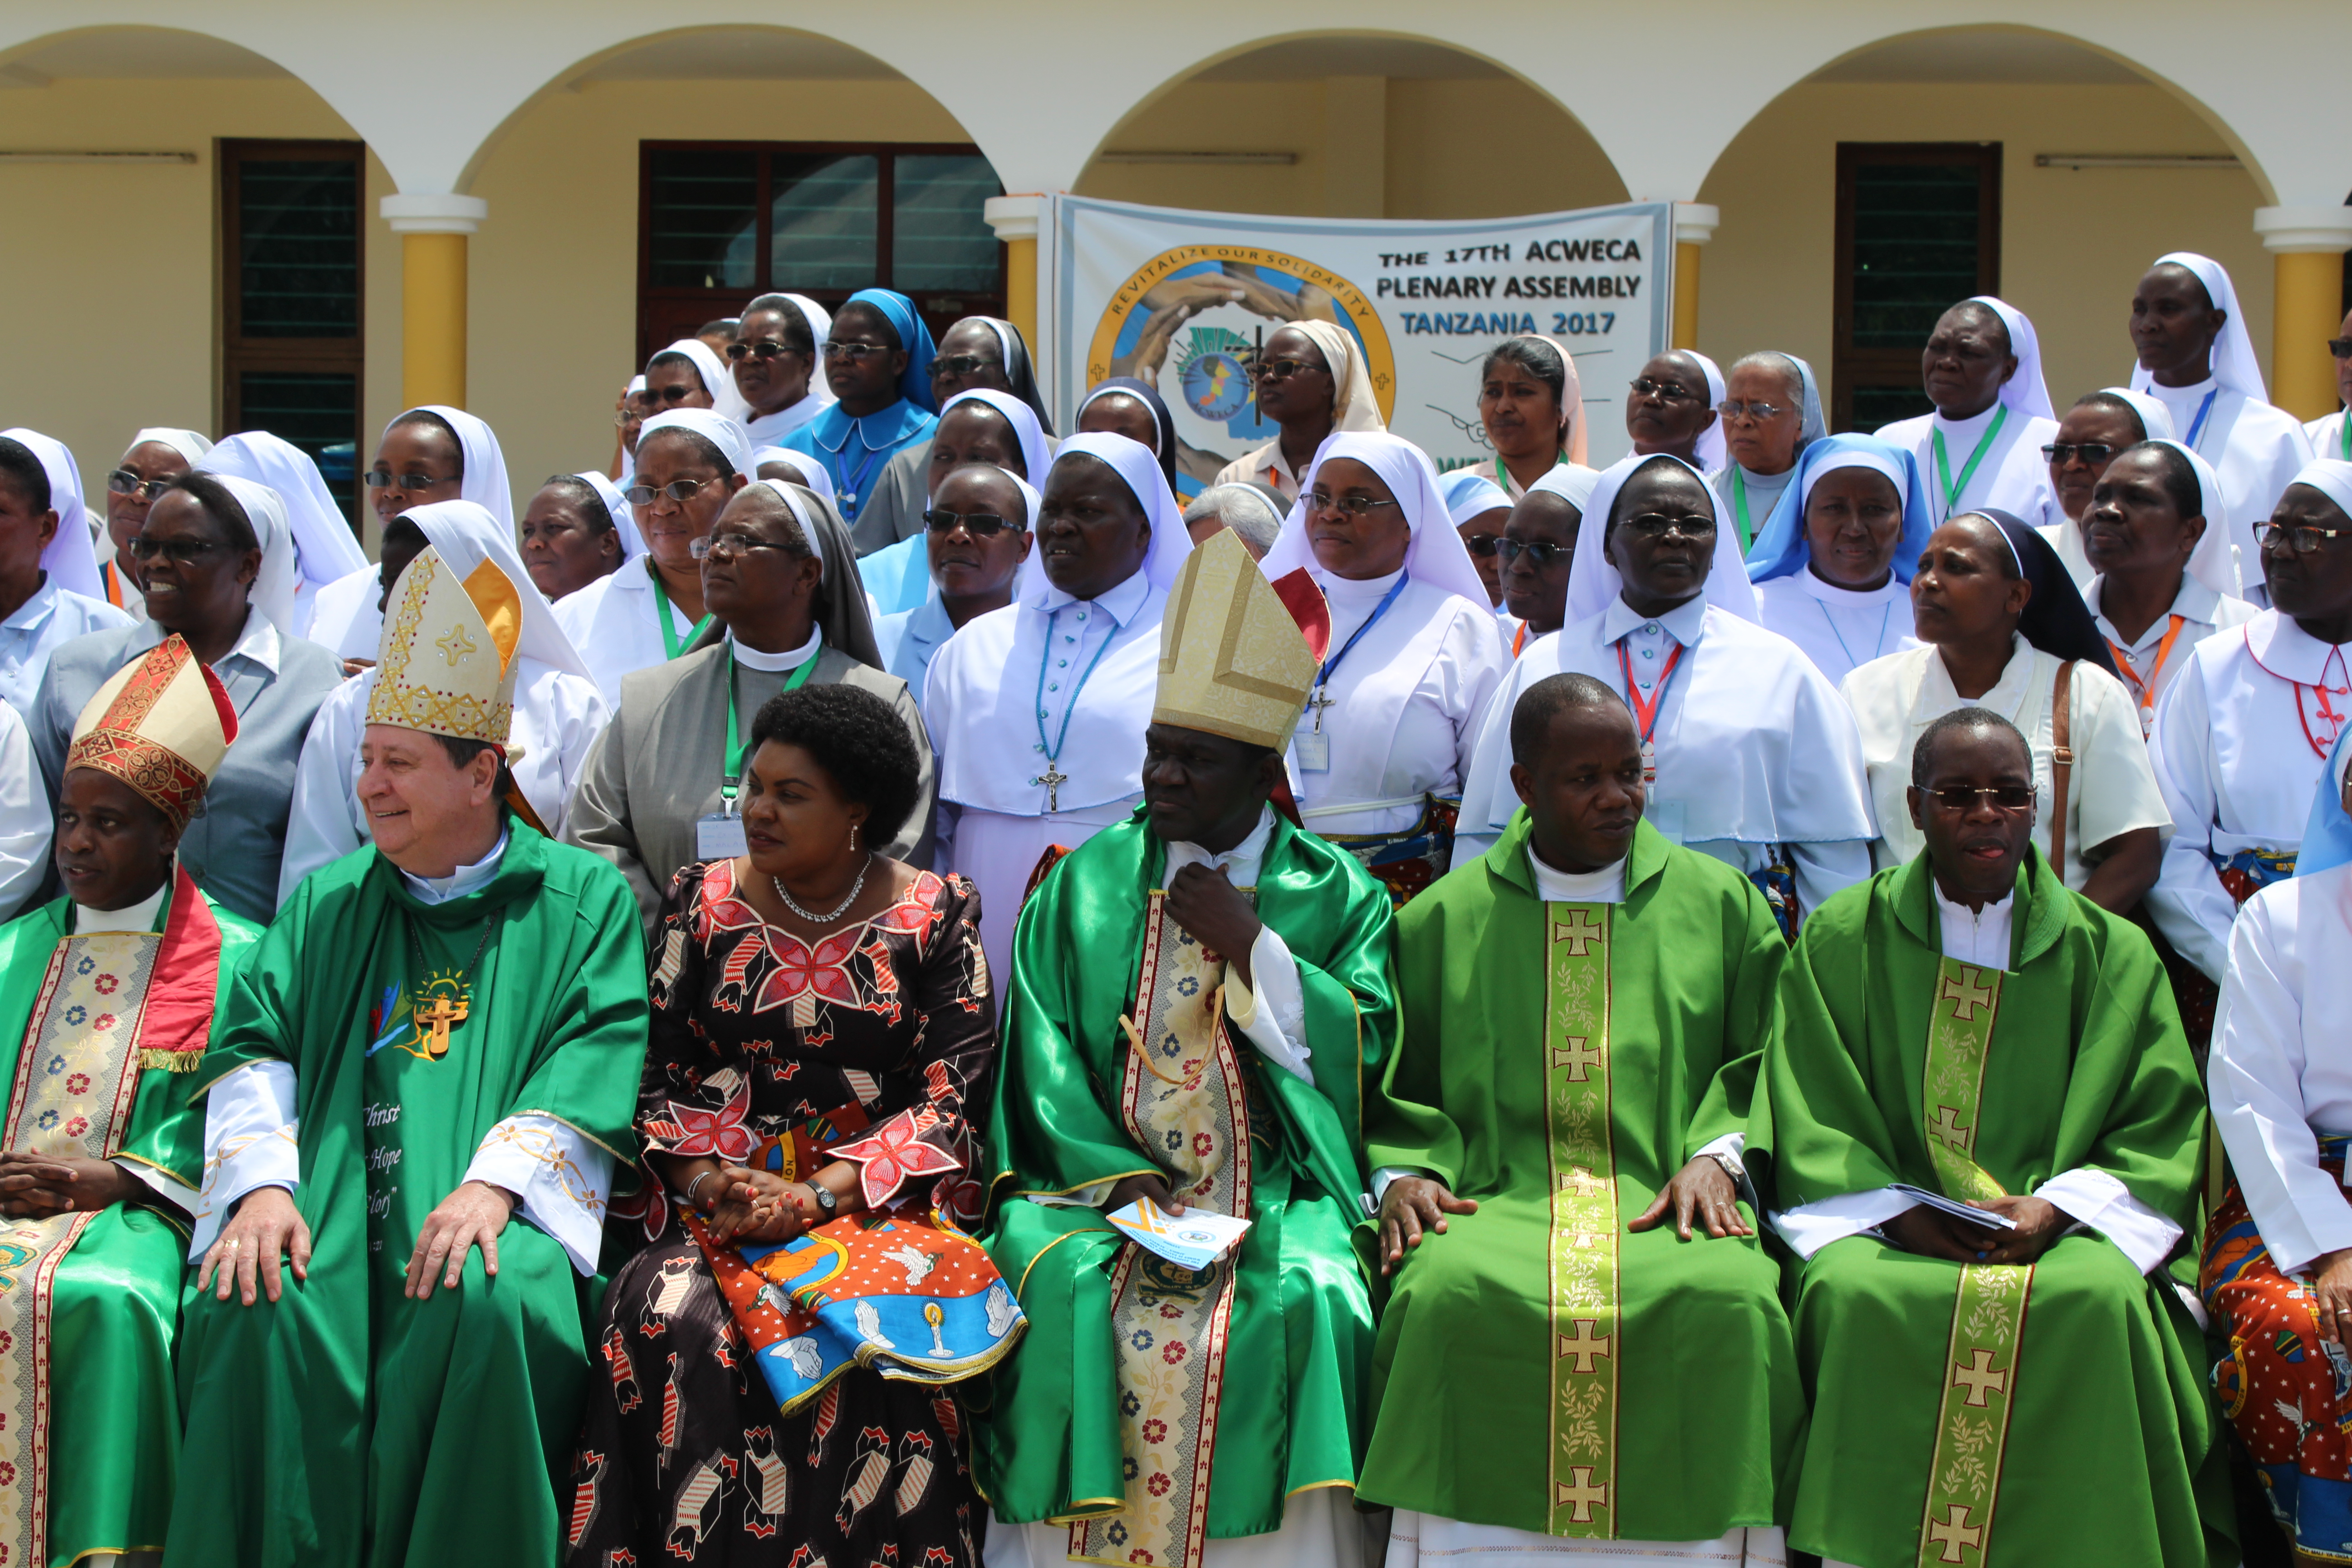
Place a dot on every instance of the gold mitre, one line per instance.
(446, 661)
(1231, 660)
(162, 724)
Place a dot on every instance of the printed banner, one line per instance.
(1185, 300)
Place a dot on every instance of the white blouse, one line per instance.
(2014, 475)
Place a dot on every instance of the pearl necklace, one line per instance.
(832, 914)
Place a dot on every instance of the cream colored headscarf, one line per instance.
(1354, 405)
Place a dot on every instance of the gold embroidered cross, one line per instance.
(454, 645)
(1579, 931)
(1583, 1496)
(1980, 1377)
(1947, 1129)
(1577, 1057)
(432, 1021)
(1966, 996)
(1955, 1532)
(1585, 1346)
(1580, 1180)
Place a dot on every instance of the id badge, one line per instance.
(719, 836)
(1314, 752)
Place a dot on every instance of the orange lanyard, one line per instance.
(113, 584)
(1646, 712)
(1519, 639)
(2147, 689)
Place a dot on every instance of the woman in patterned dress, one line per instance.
(781, 1380)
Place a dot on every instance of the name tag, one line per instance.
(719, 836)
(1314, 752)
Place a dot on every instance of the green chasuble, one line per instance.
(91, 1303)
(346, 1425)
(1259, 1358)
(1540, 1366)
(2014, 1415)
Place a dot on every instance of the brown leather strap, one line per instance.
(2062, 762)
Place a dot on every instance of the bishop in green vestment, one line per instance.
(439, 1033)
(1584, 1338)
(109, 994)
(1961, 1033)
(1195, 996)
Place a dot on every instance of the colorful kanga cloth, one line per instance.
(1559, 1063)
(1407, 862)
(1221, 1392)
(1967, 1415)
(111, 1027)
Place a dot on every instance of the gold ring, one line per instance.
(231, 1244)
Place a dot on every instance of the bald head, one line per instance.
(1532, 727)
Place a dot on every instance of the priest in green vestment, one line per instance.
(1196, 994)
(109, 994)
(439, 1033)
(1584, 1338)
(1962, 1035)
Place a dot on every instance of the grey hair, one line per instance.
(1241, 509)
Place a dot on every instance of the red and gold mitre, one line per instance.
(162, 724)
(446, 662)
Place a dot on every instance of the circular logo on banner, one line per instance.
(1203, 311)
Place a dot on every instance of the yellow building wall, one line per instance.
(114, 270)
(2073, 243)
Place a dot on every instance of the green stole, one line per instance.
(1988, 1312)
(1584, 1230)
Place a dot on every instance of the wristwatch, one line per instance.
(824, 1198)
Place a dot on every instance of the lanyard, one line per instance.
(2196, 426)
(1645, 713)
(1518, 640)
(113, 584)
(1739, 506)
(846, 485)
(734, 738)
(1944, 463)
(1883, 616)
(671, 641)
(2147, 689)
(2344, 435)
(1323, 676)
(1052, 748)
(1503, 475)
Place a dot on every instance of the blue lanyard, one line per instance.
(1323, 676)
(1054, 747)
(847, 488)
(2196, 426)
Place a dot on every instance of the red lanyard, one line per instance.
(2147, 689)
(1645, 713)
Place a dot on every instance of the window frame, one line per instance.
(1851, 366)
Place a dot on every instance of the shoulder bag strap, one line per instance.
(2061, 763)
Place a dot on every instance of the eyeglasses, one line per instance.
(1732, 408)
(2061, 453)
(677, 490)
(629, 416)
(377, 479)
(851, 349)
(673, 393)
(960, 364)
(1354, 505)
(1280, 369)
(2340, 347)
(2301, 538)
(728, 546)
(123, 482)
(1964, 797)
(1543, 551)
(1672, 391)
(978, 524)
(1655, 525)
(766, 348)
(1480, 545)
(180, 550)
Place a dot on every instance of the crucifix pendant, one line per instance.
(1053, 778)
(432, 1021)
(1316, 703)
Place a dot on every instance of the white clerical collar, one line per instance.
(1970, 428)
(1354, 593)
(463, 880)
(1120, 603)
(1828, 592)
(1239, 864)
(137, 917)
(1974, 936)
(752, 659)
(2196, 602)
(1553, 886)
(1682, 623)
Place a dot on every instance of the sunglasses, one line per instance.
(728, 546)
(1543, 551)
(1280, 369)
(960, 364)
(123, 482)
(1354, 505)
(1964, 797)
(2340, 347)
(2061, 453)
(377, 479)
(766, 348)
(1672, 391)
(978, 524)
(180, 550)
(853, 351)
(1655, 525)
(1480, 545)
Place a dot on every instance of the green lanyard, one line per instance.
(2344, 435)
(1944, 464)
(728, 787)
(1739, 505)
(1503, 475)
(671, 641)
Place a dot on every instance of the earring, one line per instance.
(853, 838)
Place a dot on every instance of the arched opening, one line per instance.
(2087, 170)
(1353, 125)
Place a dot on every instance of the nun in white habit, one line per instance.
(2065, 534)
(1755, 761)
(2221, 411)
(898, 576)
(625, 517)
(2204, 593)
(347, 613)
(1983, 447)
(558, 711)
(69, 600)
(1414, 655)
(615, 621)
(324, 547)
(1038, 709)
(118, 582)
(765, 429)
(712, 372)
(1855, 607)
(2240, 742)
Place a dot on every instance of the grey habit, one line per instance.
(894, 509)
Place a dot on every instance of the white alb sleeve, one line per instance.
(1272, 1012)
(2104, 1203)
(1811, 1227)
(250, 1140)
(563, 1178)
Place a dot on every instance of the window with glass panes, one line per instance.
(723, 222)
(1918, 230)
(292, 351)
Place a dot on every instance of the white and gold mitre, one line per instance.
(1232, 659)
(162, 724)
(446, 661)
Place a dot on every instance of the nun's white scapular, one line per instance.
(1993, 458)
(1038, 709)
(1755, 757)
(2228, 420)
